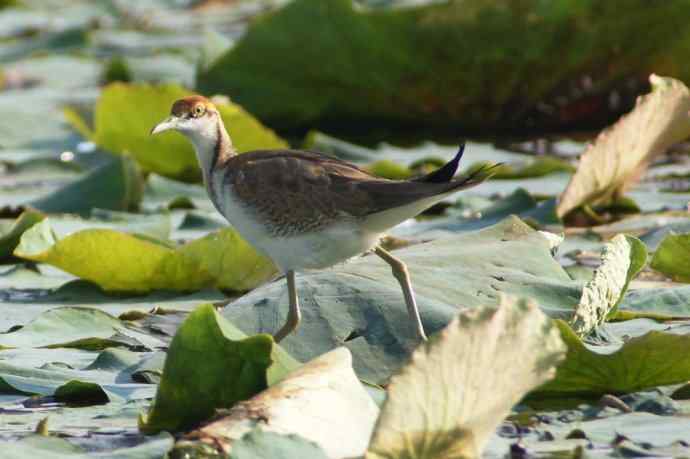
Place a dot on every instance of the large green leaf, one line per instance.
(335, 63)
(123, 123)
(360, 304)
(220, 259)
(322, 401)
(449, 399)
(653, 359)
(116, 186)
(672, 257)
(211, 365)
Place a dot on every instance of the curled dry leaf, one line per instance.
(322, 401)
(622, 152)
(621, 260)
(460, 385)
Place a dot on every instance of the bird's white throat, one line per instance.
(212, 145)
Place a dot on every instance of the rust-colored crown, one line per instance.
(187, 105)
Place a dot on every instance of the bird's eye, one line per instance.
(199, 110)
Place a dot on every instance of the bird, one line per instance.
(306, 210)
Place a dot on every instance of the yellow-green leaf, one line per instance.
(125, 114)
(119, 261)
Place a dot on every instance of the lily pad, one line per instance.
(672, 257)
(520, 203)
(653, 359)
(116, 186)
(68, 378)
(424, 418)
(211, 365)
(47, 447)
(123, 123)
(83, 328)
(154, 225)
(360, 304)
(220, 259)
(670, 301)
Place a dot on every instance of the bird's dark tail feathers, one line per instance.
(446, 173)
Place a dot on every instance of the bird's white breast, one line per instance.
(326, 247)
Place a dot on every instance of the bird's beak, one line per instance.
(165, 125)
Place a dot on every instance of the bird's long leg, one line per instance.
(294, 314)
(400, 272)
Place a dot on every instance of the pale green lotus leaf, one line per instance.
(221, 259)
(460, 385)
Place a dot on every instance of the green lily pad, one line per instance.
(123, 124)
(419, 420)
(116, 186)
(673, 301)
(161, 192)
(26, 294)
(59, 71)
(672, 257)
(360, 304)
(33, 179)
(211, 365)
(220, 259)
(89, 385)
(650, 360)
(519, 203)
(83, 328)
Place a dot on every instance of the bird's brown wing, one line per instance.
(301, 191)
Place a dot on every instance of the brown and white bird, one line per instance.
(305, 210)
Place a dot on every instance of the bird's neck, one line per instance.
(213, 148)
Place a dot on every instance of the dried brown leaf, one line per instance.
(621, 153)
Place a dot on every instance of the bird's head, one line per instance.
(199, 120)
(195, 116)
